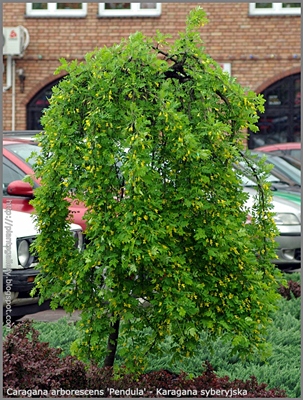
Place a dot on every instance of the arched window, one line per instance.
(36, 105)
(281, 121)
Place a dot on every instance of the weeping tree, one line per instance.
(146, 134)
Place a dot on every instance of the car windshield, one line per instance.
(25, 151)
(270, 178)
(247, 182)
(286, 168)
(296, 153)
(282, 166)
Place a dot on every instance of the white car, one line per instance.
(287, 209)
(19, 232)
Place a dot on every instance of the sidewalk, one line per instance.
(52, 315)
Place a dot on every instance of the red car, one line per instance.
(15, 168)
(18, 278)
(292, 149)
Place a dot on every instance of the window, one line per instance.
(10, 173)
(56, 9)
(281, 121)
(275, 8)
(129, 9)
(35, 107)
(24, 152)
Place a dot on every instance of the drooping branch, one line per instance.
(261, 193)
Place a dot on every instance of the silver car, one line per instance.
(287, 209)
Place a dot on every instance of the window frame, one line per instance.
(134, 11)
(52, 11)
(276, 9)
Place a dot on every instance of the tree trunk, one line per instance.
(112, 344)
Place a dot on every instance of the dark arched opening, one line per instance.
(281, 121)
(36, 106)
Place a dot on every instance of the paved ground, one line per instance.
(51, 315)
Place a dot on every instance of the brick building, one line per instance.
(258, 42)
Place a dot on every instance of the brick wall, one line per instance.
(260, 49)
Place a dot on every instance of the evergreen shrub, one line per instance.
(281, 369)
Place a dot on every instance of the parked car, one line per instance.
(19, 232)
(282, 168)
(17, 193)
(16, 151)
(291, 160)
(292, 149)
(28, 134)
(276, 180)
(287, 209)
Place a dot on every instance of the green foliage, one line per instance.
(48, 375)
(59, 334)
(295, 276)
(281, 369)
(145, 134)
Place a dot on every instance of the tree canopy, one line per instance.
(146, 134)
